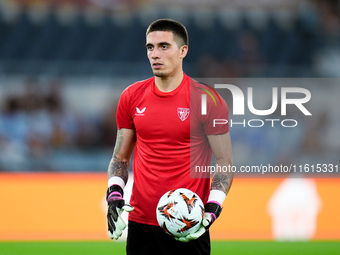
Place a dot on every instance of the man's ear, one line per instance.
(184, 51)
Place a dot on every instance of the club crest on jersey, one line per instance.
(183, 113)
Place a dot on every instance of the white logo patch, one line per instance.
(183, 113)
(140, 112)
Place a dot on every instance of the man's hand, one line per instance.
(116, 206)
(212, 211)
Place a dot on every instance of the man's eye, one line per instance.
(164, 47)
(149, 47)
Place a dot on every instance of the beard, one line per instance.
(159, 74)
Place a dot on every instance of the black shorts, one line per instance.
(152, 240)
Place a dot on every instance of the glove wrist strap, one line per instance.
(114, 188)
(214, 208)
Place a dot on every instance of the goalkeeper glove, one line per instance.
(212, 211)
(116, 206)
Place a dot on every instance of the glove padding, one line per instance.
(116, 206)
(212, 211)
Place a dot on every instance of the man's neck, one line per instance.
(168, 84)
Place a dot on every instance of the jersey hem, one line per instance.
(143, 221)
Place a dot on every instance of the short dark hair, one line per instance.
(180, 32)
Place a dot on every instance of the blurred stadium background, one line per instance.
(64, 63)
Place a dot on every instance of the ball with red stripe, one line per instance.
(180, 212)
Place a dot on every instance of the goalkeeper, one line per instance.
(162, 121)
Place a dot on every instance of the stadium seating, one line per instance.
(108, 41)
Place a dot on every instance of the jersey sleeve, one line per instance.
(124, 114)
(216, 121)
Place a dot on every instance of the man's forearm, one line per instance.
(120, 161)
(119, 168)
(221, 147)
(222, 180)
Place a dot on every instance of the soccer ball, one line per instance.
(180, 212)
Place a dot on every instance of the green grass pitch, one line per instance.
(218, 248)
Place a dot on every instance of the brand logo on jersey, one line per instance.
(183, 113)
(140, 112)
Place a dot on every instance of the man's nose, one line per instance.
(155, 53)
